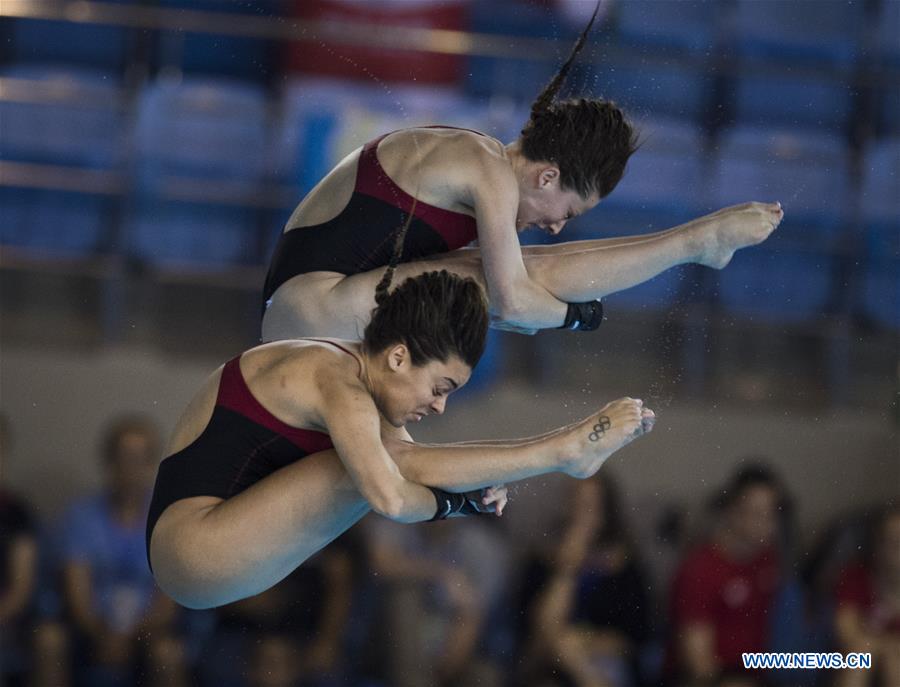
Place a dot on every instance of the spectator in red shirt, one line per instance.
(724, 588)
(867, 616)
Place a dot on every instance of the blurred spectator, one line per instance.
(867, 618)
(290, 634)
(802, 617)
(437, 584)
(590, 616)
(52, 655)
(121, 622)
(18, 574)
(725, 588)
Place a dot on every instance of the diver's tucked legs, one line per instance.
(206, 551)
(599, 270)
(323, 304)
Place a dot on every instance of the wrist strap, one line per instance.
(450, 505)
(447, 503)
(583, 317)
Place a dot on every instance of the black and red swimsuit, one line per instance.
(361, 237)
(242, 443)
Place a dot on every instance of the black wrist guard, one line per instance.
(451, 505)
(583, 317)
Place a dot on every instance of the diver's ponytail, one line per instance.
(588, 139)
(435, 314)
(381, 290)
(547, 96)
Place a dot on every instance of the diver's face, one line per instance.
(545, 204)
(410, 392)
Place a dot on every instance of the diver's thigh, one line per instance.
(328, 304)
(308, 305)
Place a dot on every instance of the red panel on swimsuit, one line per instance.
(235, 395)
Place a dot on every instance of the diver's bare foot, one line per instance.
(594, 439)
(719, 235)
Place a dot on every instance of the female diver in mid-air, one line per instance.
(469, 186)
(289, 444)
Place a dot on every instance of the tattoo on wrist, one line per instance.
(600, 428)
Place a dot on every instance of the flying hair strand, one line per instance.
(545, 99)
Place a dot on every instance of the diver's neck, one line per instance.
(514, 155)
(367, 371)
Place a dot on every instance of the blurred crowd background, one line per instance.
(150, 152)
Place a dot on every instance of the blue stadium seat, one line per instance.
(816, 42)
(879, 299)
(203, 127)
(687, 25)
(880, 201)
(199, 235)
(806, 171)
(825, 31)
(646, 85)
(211, 133)
(213, 54)
(59, 102)
(520, 79)
(55, 223)
(99, 46)
(789, 277)
(888, 34)
(778, 286)
(793, 99)
(69, 118)
(889, 111)
(888, 43)
(881, 293)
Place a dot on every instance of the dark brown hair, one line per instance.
(589, 139)
(434, 314)
(753, 473)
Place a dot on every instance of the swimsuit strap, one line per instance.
(455, 128)
(337, 345)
